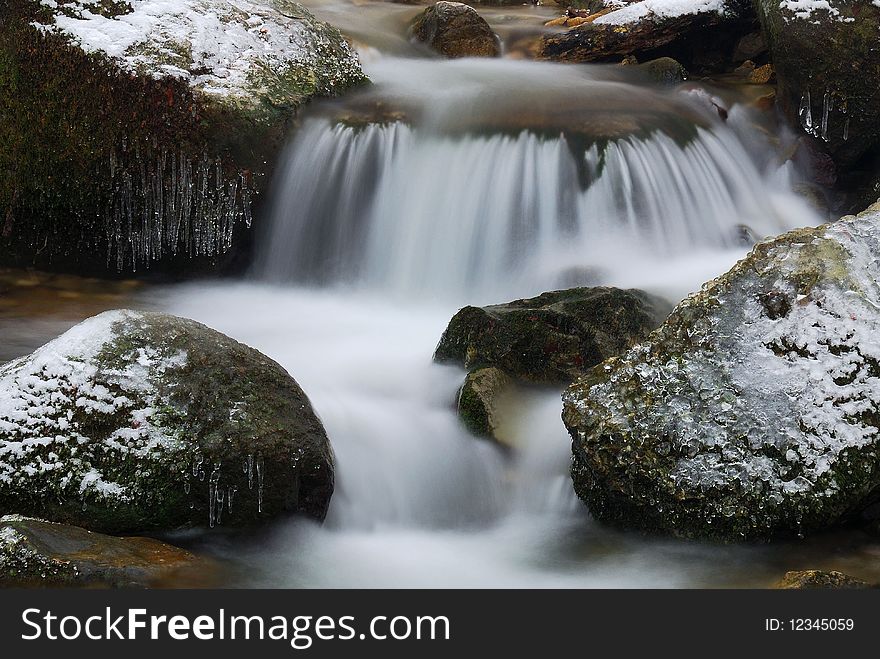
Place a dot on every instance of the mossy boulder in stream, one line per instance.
(34, 552)
(137, 133)
(479, 398)
(552, 338)
(753, 412)
(147, 422)
(827, 63)
(454, 29)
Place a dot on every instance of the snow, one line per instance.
(807, 10)
(650, 9)
(47, 397)
(217, 45)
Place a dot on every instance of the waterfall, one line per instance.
(504, 179)
(392, 207)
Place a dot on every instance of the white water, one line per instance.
(381, 235)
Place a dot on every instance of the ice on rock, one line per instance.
(737, 395)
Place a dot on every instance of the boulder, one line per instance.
(753, 412)
(702, 36)
(478, 401)
(455, 30)
(816, 579)
(552, 338)
(140, 133)
(142, 422)
(828, 66)
(34, 552)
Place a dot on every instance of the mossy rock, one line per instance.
(478, 401)
(34, 552)
(752, 413)
(137, 422)
(150, 150)
(663, 71)
(827, 65)
(817, 579)
(454, 29)
(552, 338)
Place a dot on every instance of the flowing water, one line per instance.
(463, 182)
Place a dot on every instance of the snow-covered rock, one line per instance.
(142, 421)
(234, 49)
(702, 34)
(827, 62)
(754, 410)
(141, 131)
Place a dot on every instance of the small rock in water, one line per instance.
(34, 552)
(455, 30)
(553, 338)
(478, 401)
(817, 579)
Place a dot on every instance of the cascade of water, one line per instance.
(396, 208)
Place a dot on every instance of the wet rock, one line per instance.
(817, 579)
(148, 422)
(663, 71)
(827, 64)
(753, 411)
(703, 41)
(478, 401)
(34, 552)
(750, 47)
(552, 338)
(455, 30)
(126, 149)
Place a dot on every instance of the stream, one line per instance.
(462, 182)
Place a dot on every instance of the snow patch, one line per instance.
(216, 45)
(659, 9)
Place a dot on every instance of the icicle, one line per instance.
(260, 469)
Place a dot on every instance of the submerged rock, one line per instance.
(478, 401)
(703, 36)
(813, 579)
(552, 338)
(455, 30)
(138, 133)
(144, 421)
(34, 552)
(753, 411)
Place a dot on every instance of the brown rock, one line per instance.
(34, 551)
(455, 30)
(814, 579)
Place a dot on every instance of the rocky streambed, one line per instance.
(636, 158)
